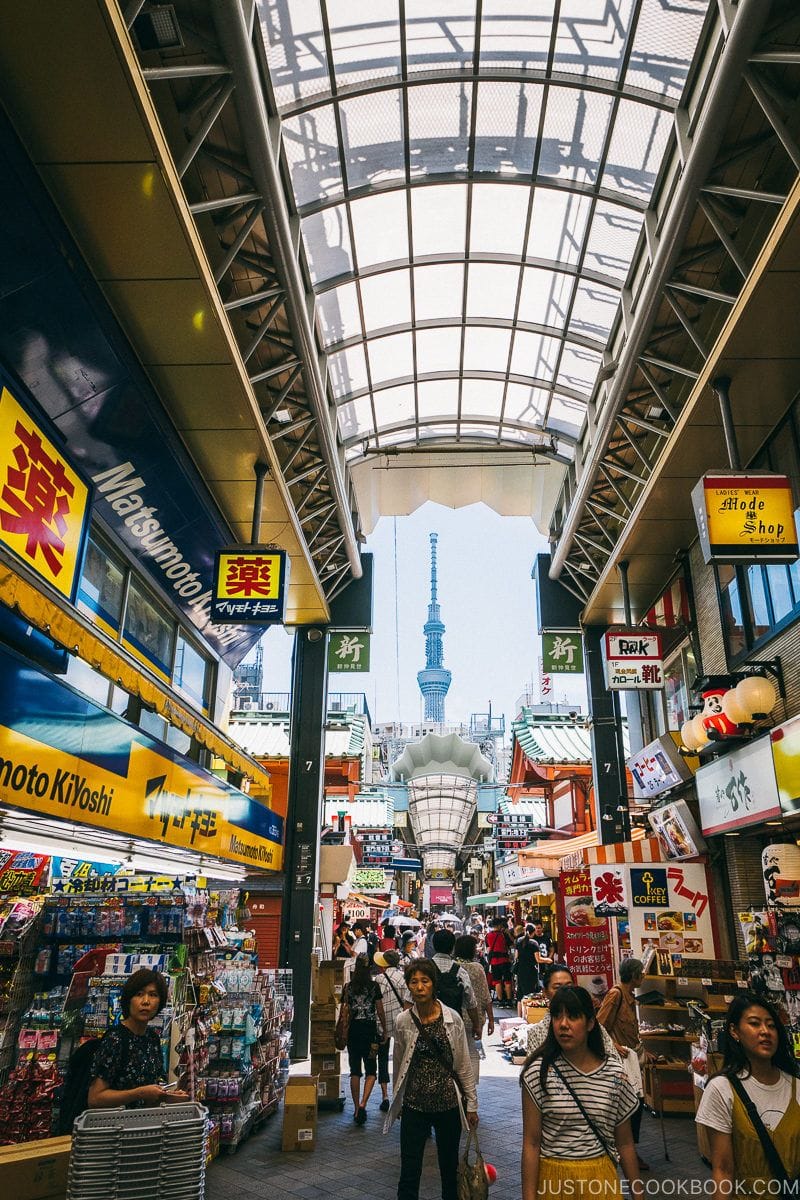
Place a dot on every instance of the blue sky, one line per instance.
(487, 602)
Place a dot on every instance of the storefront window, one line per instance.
(102, 586)
(148, 630)
(192, 672)
(87, 680)
(679, 674)
(731, 608)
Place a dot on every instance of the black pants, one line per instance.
(383, 1061)
(415, 1129)
(636, 1121)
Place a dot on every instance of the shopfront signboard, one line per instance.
(63, 756)
(44, 501)
(82, 877)
(22, 872)
(745, 518)
(785, 742)
(348, 652)
(633, 660)
(738, 789)
(441, 894)
(676, 830)
(609, 890)
(251, 584)
(370, 879)
(671, 914)
(585, 938)
(562, 652)
(657, 767)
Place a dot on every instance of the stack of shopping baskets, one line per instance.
(139, 1154)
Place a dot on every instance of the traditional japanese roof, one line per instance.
(556, 740)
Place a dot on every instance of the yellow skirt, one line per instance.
(580, 1178)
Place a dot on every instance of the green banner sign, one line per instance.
(562, 653)
(348, 652)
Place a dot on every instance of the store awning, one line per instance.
(545, 854)
(642, 850)
(372, 901)
(488, 898)
(545, 888)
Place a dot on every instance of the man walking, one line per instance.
(396, 997)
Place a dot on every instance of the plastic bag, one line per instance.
(472, 1182)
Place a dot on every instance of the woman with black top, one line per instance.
(363, 997)
(342, 941)
(128, 1068)
(433, 1087)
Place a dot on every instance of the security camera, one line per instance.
(573, 712)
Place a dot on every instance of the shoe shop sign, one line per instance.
(633, 660)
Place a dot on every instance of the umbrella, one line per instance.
(403, 922)
(449, 919)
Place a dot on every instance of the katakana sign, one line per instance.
(44, 503)
(562, 653)
(348, 652)
(251, 584)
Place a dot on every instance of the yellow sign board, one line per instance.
(746, 518)
(250, 585)
(44, 503)
(146, 795)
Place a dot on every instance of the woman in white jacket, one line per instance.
(431, 1052)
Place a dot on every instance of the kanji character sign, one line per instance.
(608, 890)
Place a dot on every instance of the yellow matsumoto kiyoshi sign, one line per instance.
(44, 503)
(136, 789)
(746, 518)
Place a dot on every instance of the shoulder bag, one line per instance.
(342, 1030)
(471, 1179)
(450, 1069)
(774, 1160)
(606, 1148)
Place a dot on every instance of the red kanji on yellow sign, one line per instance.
(249, 576)
(43, 501)
(250, 585)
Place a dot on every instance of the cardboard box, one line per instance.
(300, 1113)
(323, 1012)
(321, 1040)
(534, 1014)
(36, 1170)
(326, 1064)
(329, 1087)
(329, 980)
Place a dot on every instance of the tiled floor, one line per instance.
(361, 1164)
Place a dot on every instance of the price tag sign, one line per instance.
(741, 983)
(707, 982)
(785, 961)
(682, 981)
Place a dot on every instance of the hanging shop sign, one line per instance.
(780, 864)
(63, 756)
(676, 830)
(44, 502)
(586, 938)
(513, 875)
(251, 584)
(674, 918)
(562, 653)
(82, 877)
(609, 893)
(657, 767)
(745, 518)
(406, 864)
(370, 879)
(356, 912)
(633, 660)
(348, 652)
(785, 742)
(441, 894)
(22, 873)
(738, 789)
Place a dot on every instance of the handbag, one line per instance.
(471, 1179)
(607, 1149)
(774, 1160)
(342, 1029)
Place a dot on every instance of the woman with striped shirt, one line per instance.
(576, 1109)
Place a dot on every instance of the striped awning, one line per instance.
(643, 850)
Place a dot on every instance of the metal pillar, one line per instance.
(608, 764)
(721, 387)
(303, 820)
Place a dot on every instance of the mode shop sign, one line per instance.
(745, 517)
(633, 660)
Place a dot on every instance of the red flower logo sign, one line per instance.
(608, 890)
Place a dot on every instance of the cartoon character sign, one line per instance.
(712, 715)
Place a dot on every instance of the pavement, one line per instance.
(360, 1163)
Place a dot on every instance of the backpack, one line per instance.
(372, 946)
(450, 989)
(75, 1095)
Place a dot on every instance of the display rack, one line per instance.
(669, 1028)
(20, 918)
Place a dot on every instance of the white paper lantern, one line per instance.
(734, 710)
(757, 695)
(688, 736)
(700, 731)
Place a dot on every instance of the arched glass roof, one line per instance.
(471, 180)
